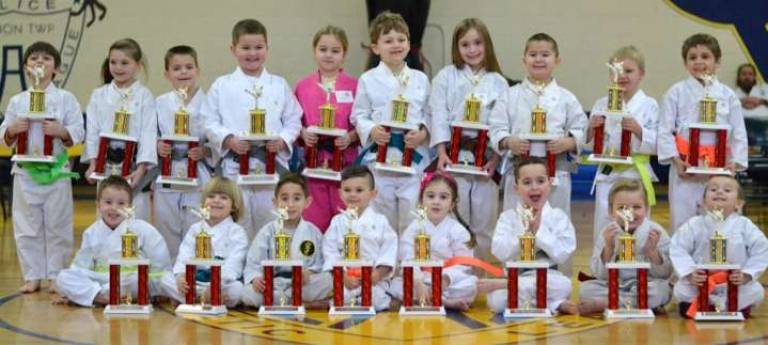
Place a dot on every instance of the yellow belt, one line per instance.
(641, 162)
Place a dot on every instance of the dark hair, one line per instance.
(116, 182)
(130, 47)
(45, 48)
(521, 162)
(490, 62)
(744, 87)
(385, 22)
(180, 50)
(292, 178)
(544, 37)
(702, 39)
(429, 179)
(358, 171)
(626, 185)
(248, 27)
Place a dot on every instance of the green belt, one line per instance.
(48, 173)
(640, 163)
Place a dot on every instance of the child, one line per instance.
(306, 245)
(86, 282)
(555, 240)
(511, 117)
(378, 242)
(680, 108)
(474, 62)
(225, 205)
(449, 237)
(42, 206)
(651, 245)
(119, 70)
(171, 203)
(330, 48)
(643, 124)
(373, 105)
(746, 247)
(226, 112)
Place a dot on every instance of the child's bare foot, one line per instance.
(52, 286)
(101, 299)
(456, 304)
(485, 286)
(592, 306)
(30, 286)
(394, 305)
(59, 299)
(568, 308)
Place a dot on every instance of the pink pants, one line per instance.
(326, 202)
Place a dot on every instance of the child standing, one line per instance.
(119, 70)
(226, 112)
(475, 72)
(42, 205)
(373, 105)
(680, 108)
(306, 245)
(651, 243)
(378, 242)
(330, 48)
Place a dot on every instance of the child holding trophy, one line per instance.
(389, 114)
(326, 97)
(722, 236)
(252, 102)
(544, 112)
(462, 98)
(305, 243)
(86, 282)
(42, 192)
(121, 128)
(699, 99)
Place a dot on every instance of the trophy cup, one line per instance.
(538, 135)
(119, 134)
(203, 257)
(422, 260)
(180, 136)
(119, 304)
(613, 115)
(352, 263)
(31, 152)
(398, 126)
(527, 262)
(282, 251)
(469, 161)
(257, 136)
(718, 257)
(327, 133)
(701, 158)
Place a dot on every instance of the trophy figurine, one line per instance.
(257, 136)
(282, 260)
(181, 137)
(397, 126)
(424, 263)
(538, 135)
(467, 153)
(352, 263)
(123, 305)
(108, 158)
(703, 159)
(613, 115)
(626, 239)
(27, 151)
(327, 133)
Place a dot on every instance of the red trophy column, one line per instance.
(114, 284)
(407, 286)
(366, 287)
(512, 288)
(642, 288)
(269, 282)
(190, 273)
(296, 285)
(143, 284)
(338, 286)
(191, 163)
(215, 285)
(130, 149)
(437, 286)
(541, 288)
(613, 289)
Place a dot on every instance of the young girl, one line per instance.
(225, 205)
(643, 125)
(474, 72)
(330, 48)
(171, 204)
(449, 237)
(651, 245)
(746, 247)
(119, 72)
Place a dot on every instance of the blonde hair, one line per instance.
(223, 185)
(385, 22)
(490, 62)
(334, 31)
(629, 53)
(626, 186)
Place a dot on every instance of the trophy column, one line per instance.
(119, 133)
(527, 262)
(119, 305)
(258, 136)
(470, 123)
(203, 257)
(398, 126)
(326, 131)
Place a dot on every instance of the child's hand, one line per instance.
(652, 242)
(135, 176)
(54, 128)
(196, 153)
(380, 135)
(629, 123)
(414, 139)
(518, 146)
(181, 285)
(442, 160)
(89, 171)
(596, 121)
(258, 284)
(342, 142)
(375, 277)
(305, 275)
(351, 282)
(310, 139)
(163, 148)
(19, 125)
(609, 234)
(490, 167)
(561, 145)
(737, 277)
(681, 166)
(237, 146)
(698, 277)
(276, 145)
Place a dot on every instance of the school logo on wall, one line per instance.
(59, 22)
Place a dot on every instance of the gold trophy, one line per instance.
(327, 110)
(421, 242)
(615, 92)
(700, 162)
(258, 123)
(183, 177)
(122, 116)
(423, 261)
(615, 112)
(203, 244)
(119, 303)
(257, 136)
(181, 117)
(473, 104)
(626, 240)
(120, 133)
(718, 243)
(27, 151)
(326, 131)
(400, 104)
(397, 125)
(527, 239)
(351, 263)
(462, 159)
(129, 240)
(707, 105)
(282, 239)
(538, 135)
(37, 94)
(282, 260)
(351, 239)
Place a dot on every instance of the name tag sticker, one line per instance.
(344, 96)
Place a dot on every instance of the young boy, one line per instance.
(555, 241)
(680, 108)
(378, 242)
(42, 200)
(86, 282)
(172, 217)
(306, 245)
(565, 117)
(376, 90)
(746, 246)
(651, 245)
(226, 112)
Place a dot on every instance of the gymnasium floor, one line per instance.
(32, 319)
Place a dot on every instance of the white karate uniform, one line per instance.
(759, 90)
(171, 203)
(645, 111)
(226, 112)
(659, 292)
(447, 239)
(376, 88)
(378, 243)
(679, 109)
(555, 243)
(746, 247)
(42, 214)
(89, 274)
(305, 245)
(478, 196)
(142, 125)
(512, 117)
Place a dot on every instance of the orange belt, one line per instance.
(705, 151)
(712, 282)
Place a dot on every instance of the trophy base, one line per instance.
(608, 159)
(257, 179)
(623, 265)
(719, 316)
(614, 114)
(322, 174)
(405, 126)
(470, 125)
(180, 138)
(400, 169)
(120, 137)
(331, 132)
(101, 176)
(33, 159)
(128, 309)
(540, 136)
(201, 309)
(526, 313)
(422, 311)
(355, 311)
(708, 171)
(467, 169)
(177, 181)
(282, 310)
(258, 137)
(629, 314)
(710, 126)
(37, 116)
